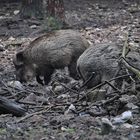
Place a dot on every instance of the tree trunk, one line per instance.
(55, 8)
(32, 9)
(55, 16)
(51, 10)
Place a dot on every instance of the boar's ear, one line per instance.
(19, 56)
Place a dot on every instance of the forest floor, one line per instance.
(54, 112)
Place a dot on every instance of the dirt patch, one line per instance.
(55, 111)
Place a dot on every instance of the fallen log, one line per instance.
(10, 107)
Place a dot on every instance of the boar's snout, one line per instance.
(19, 76)
(24, 71)
(25, 74)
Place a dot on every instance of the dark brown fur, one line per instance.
(49, 52)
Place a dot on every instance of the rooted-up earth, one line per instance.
(64, 110)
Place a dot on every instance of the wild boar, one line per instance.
(54, 50)
(101, 60)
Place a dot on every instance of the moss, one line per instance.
(2, 131)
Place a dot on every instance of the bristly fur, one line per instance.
(52, 51)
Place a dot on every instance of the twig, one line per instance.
(74, 91)
(7, 88)
(128, 66)
(52, 92)
(89, 79)
(85, 83)
(71, 88)
(112, 93)
(133, 82)
(28, 103)
(101, 84)
(125, 46)
(116, 78)
(35, 113)
(111, 100)
(130, 76)
(113, 86)
(132, 68)
(27, 90)
(99, 103)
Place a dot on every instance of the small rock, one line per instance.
(126, 126)
(74, 84)
(124, 117)
(70, 110)
(45, 138)
(48, 89)
(127, 115)
(72, 107)
(131, 136)
(133, 44)
(96, 111)
(131, 106)
(11, 38)
(84, 114)
(63, 128)
(7, 14)
(107, 126)
(33, 26)
(42, 100)
(88, 28)
(63, 96)
(59, 77)
(31, 98)
(96, 95)
(128, 99)
(16, 84)
(59, 89)
(16, 12)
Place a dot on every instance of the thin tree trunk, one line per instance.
(55, 8)
(55, 15)
(52, 11)
(32, 9)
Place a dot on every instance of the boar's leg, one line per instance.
(73, 71)
(47, 76)
(39, 80)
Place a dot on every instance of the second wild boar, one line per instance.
(102, 62)
(54, 50)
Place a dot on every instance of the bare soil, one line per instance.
(61, 111)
